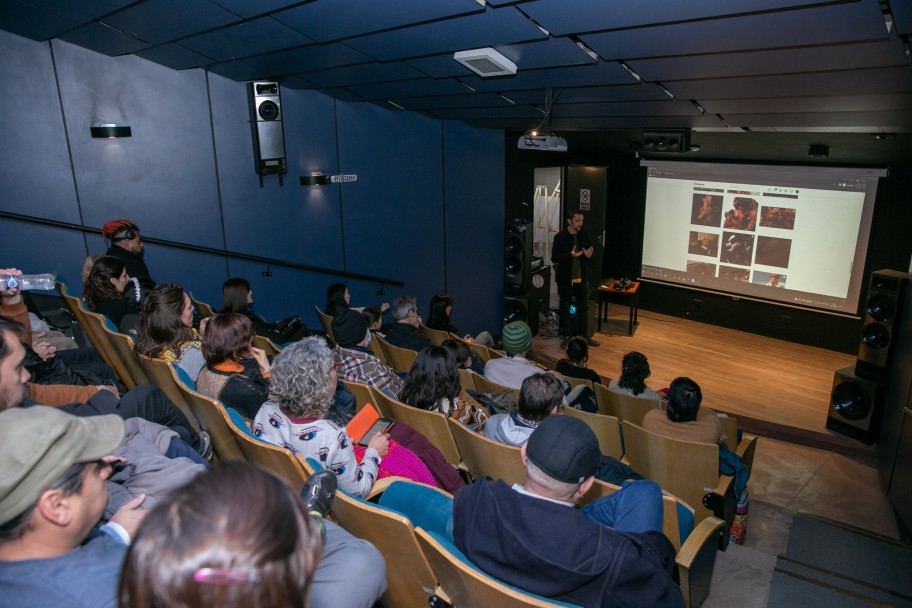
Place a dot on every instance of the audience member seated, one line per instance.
(540, 396)
(236, 372)
(462, 355)
(404, 333)
(510, 371)
(301, 387)
(574, 365)
(52, 496)
(684, 418)
(433, 384)
(166, 329)
(610, 553)
(81, 366)
(127, 246)
(374, 319)
(338, 299)
(106, 293)
(237, 297)
(147, 402)
(208, 548)
(356, 362)
(634, 371)
(439, 318)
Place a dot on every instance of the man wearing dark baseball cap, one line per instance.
(356, 361)
(53, 468)
(611, 553)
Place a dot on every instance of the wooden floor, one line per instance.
(783, 388)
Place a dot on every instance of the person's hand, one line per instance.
(588, 252)
(468, 338)
(384, 307)
(379, 442)
(575, 253)
(45, 350)
(130, 515)
(723, 439)
(259, 355)
(203, 323)
(10, 295)
(106, 387)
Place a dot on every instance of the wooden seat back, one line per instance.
(363, 393)
(400, 359)
(122, 344)
(465, 585)
(483, 385)
(202, 308)
(433, 425)
(606, 428)
(409, 577)
(213, 418)
(436, 336)
(92, 327)
(467, 380)
(625, 407)
(326, 320)
(482, 456)
(160, 373)
(268, 346)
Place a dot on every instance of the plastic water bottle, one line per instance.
(27, 282)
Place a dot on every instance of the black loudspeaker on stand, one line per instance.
(857, 400)
(527, 307)
(518, 257)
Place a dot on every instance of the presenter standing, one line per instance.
(571, 252)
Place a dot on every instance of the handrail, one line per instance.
(210, 250)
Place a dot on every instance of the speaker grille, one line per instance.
(851, 401)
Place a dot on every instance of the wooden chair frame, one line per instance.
(269, 347)
(482, 456)
(433, 425)
(203, 308)
(606, 428)
(92, 327)
(687, 469)
(483, 385)
(326, 320)
(160, 373)
(122, 345)
(624, 407)
(211, 415)
(436, 336)
(363, 393)
(400, 359)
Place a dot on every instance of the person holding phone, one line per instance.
(301, 386)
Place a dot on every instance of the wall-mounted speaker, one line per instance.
(856, 405)
(266, 125)
(673, 140)
(881, 320)
(518, 257)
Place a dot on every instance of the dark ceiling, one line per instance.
(762, 65)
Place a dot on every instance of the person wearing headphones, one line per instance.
(126, 245)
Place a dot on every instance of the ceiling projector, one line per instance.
(545, 142)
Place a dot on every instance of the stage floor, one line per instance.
(775, 388)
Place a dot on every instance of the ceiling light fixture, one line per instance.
(486, 62)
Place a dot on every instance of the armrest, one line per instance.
(696, 560)
(381, 484)
(746, 450)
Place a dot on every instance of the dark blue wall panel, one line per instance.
(474, 161)
(187, 175)
(393, 213)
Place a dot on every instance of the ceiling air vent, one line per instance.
(486, 62)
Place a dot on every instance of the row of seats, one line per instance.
(473, 453)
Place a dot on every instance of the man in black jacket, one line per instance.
(127, 246)
(404, 333)
(610, 553)
(571, 252)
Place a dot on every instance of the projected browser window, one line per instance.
(794, 235)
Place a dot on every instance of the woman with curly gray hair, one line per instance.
(301, 387)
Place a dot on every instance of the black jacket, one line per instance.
(555, 551)
(136, 267)
(408, 336)
(560, 255)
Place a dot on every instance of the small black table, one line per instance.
(607, 289)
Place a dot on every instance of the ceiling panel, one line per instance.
(562, 17)
(335, 19)
(364, 73)
(852, 22)
(313, 57)
(245, 39)
(849, 82)
(494, 26)
(158, 21)
(826, 62)
(882, 53)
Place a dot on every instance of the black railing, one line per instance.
(209, 250)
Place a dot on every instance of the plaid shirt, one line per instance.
(363, 366)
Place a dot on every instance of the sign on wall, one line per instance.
(585, 197)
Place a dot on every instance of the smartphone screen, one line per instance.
(381, 426)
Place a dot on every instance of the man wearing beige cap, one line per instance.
(53, 468)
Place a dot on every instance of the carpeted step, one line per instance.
(845, 585)
(788, 590)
